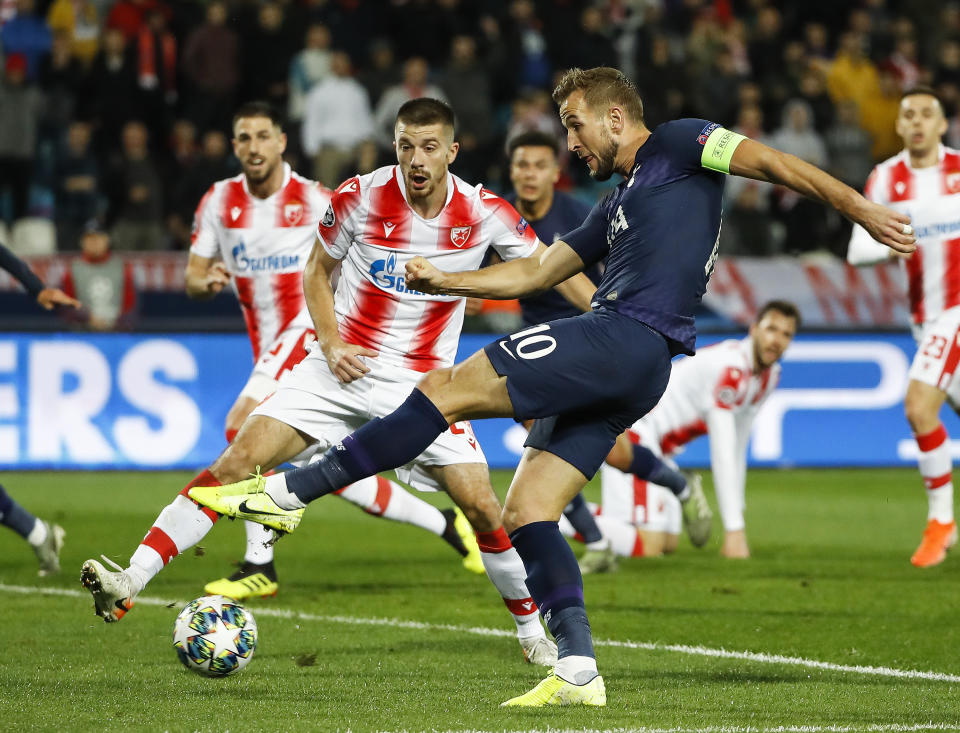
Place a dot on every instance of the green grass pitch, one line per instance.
(377, 627)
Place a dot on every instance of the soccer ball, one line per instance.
(215, 636)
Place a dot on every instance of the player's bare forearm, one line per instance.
(579, 290)
(542, 270)
(319, 295)
(761, 162)
(204, 278)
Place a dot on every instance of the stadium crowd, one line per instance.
(120, 110)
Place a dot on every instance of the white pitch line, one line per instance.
(871, 728)
(701, 651)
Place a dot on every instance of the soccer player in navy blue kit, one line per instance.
(586, 378)
(45, 538)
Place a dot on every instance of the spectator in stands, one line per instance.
(805, 221)
(26, 33)
(817, 41)
(592, 45)
(851, 75)
(136, 194)
(266, 60)
(102, 282)
(61, 77)
(80, 20)
(414, 84)
(338, 129)
(156, 52)
(715, 94)
(528, 55)
(662, 83)
(181, 153)
(878, 116)
(211, 66)
(77, 195)
(748, 227)
(213, 164)
(111, 98)
(21, 106)
(128, 16)
(308, 68)
(848, 147)
(765, 45)
(466, 84)
(948, 63)
(904, 62)
(812, 89)
(381, 71)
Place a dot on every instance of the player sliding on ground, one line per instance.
(588, 378)
(377, 337)
(719, 391)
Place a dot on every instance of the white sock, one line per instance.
(388, 499)
(578, 670)
(258, 551)
(936, 468)
(276, 488)
(180, 526)
(505, 570)
(38, 535)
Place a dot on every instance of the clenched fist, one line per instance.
(423, 276)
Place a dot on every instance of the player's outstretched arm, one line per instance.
(204, 277)
(342, 358)
(542, 270)
(49, 298)
(763, 163)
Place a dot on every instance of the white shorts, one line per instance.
(647, 506)
(288, 350)
(310, 399)
(938, 353)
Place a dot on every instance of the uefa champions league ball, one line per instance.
(215, 636)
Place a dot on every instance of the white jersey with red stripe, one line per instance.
(372, 229)
(714, 392)
(264, 243)
(931, 197)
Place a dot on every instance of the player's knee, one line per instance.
(235, 463)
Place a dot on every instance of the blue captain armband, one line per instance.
(718, 150)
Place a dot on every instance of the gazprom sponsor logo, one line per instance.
(270, 263)
(383, 273)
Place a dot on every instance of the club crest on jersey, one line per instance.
(235, 212)
(293, 212)
(460, 235)
(952, 180)
(329, 218)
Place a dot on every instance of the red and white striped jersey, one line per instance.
(265, 244)
(714, 392)
(931, 196)
(719, 378)
(372, 229)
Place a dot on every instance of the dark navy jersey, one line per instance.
(659, 229)
(566, 213)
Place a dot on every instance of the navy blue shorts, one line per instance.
(585, 379)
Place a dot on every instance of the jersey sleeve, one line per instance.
(589, 240)
(512, 237)
(863, 249)
(19, 269)
(699, 143)
(336, 228)
(203, 235)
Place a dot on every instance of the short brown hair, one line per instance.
(426, 111)
(601, 87)
(535, 139)
(258, 108)
(784, 307)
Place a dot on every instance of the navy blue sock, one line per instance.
(381, 444)
(554, 582)
(14, 516)
(578, 514)
(647, 466)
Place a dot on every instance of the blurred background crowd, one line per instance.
(119, 111)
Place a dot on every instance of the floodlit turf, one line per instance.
(830, 581)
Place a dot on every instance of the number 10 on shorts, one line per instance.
(531, 343)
